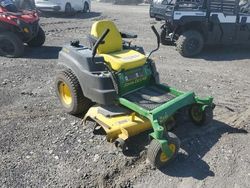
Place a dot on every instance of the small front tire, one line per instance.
(156, 155)
(201, 116)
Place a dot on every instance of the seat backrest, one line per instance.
(113, 41)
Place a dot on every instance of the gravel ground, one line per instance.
(41, 146)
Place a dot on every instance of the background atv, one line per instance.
(192, 24)
(19, 28)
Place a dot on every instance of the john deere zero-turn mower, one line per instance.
(116, 85)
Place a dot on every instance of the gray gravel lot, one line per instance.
(41, 146)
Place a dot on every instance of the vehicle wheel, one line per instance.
(190, 43)
(70, 93)
(120, 144)
(86, 7)
(182, 115)
(38, 40)
(156, 155)
(10, 45)
(170, 124)
(68, 9)
(201, 116)
(164, 40)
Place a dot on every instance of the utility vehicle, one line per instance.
(191, 24)
(18, 28)
(117, 86)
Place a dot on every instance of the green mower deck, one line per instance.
(158, 103)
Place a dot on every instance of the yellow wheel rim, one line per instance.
(65, 94)
(164, 157)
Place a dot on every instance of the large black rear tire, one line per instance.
(38, 40)
(190, 43)
(70, 93)
(11, 45)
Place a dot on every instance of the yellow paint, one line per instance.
(65, 93)
(163, 157)
(123, 126)
(125, 59)
(113, 41)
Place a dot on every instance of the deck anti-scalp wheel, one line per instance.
(120, 144)
(155, 154)
(201, 115)
(70, 93)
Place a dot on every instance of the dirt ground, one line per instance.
(41, 146)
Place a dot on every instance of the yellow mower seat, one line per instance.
(112, 50)
(124, 60)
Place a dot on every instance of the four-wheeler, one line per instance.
(117, 86)
(191, 24)
(18, 28)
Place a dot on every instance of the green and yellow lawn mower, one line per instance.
(117, 86)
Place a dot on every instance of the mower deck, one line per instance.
(143, 109)
(118, 122)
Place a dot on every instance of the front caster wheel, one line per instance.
(120, 144)
(155, 154)
(201, 115)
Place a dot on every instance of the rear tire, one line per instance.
(190, 43)
(86, 7)
(11, 45)
(156, 155)
(68, 9)
(70, 93)
(38, 40)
